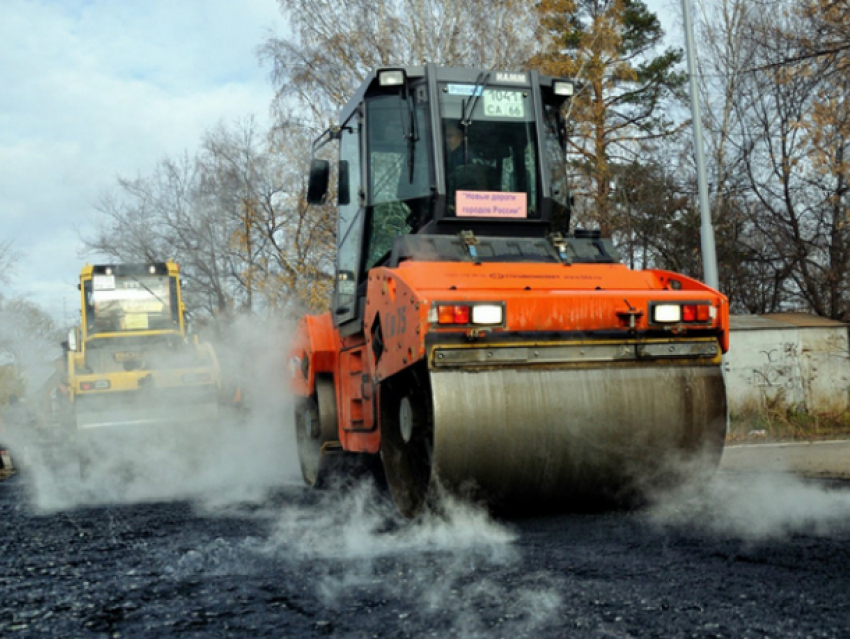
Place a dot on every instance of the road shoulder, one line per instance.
(809, 458)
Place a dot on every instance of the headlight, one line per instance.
(684, 313)
(562, 87)
(393, 78)
(666, 313)
(487, 314)
(468, 314)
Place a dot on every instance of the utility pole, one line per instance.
(709, 255)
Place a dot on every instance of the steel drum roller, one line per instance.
(527, 438)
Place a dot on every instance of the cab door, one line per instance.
(350, 223)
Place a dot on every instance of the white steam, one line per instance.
(359, 522)
(756, 507)
(239, 457)
(452, 564)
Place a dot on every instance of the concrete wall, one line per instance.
(790, 361)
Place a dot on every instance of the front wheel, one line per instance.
(315, 427)
(407, 439)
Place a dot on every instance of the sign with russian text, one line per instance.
(491, 204)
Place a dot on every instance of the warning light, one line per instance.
(685, 313)
(486, 314)
(453, 314)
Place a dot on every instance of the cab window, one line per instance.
(400, 174)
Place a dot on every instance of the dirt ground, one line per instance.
(820, 459)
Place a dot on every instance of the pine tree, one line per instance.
(609, 46)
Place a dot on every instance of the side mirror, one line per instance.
(317, 189)
(71, 342)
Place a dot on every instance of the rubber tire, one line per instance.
(321, 411)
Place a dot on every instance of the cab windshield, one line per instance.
(132, 303)
(399, 168)
(491, 151)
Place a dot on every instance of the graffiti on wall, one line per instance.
(780, 371)
(836, 346)
(809, 369)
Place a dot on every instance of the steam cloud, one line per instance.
(239, 458)
(453, 562)
(755, 507)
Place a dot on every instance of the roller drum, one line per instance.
(533, 439)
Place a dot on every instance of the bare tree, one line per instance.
(8, 256)
(233, 217)
(29, 342)
(331, 45)
(281, 247)
(823, 42)
(162, 216)
(727, 54)
(750, 273)
(792, 142)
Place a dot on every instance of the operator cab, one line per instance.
(124, 299)
(431, 151)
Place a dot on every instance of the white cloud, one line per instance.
(93, 89)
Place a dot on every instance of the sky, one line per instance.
(91, 90)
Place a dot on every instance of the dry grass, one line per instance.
(779, 422)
